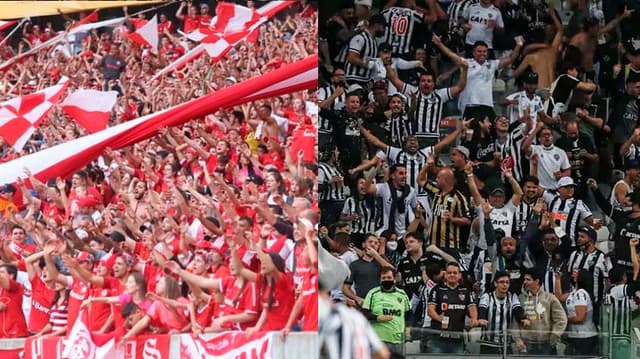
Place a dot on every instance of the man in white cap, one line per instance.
(567, 211)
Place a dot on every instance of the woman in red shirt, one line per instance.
(12, 322)
(276, 289)
(58, 316)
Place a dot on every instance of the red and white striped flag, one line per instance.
(20, 116)
(232, 18)
(62, 160)
(147, 35)
(90, 108)
(6, 24)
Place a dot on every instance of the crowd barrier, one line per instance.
(228, 345)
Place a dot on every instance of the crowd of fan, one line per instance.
(460, 143)
(204, 228)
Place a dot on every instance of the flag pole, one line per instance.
(154, 8)
(14, 30)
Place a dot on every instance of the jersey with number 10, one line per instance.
(401, 24)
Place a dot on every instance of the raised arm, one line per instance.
(373, 139)
(450, 54)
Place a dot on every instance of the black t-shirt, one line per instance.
(365, 275)
(411, 274)
(563, 88)
(112, 67)
(452, 304)
(481, 149)
(579, 165)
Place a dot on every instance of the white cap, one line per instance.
(232, 79)
(354, 88)
(566, 181)
(367, 3)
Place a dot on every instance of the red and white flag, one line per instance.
(147, 35)
(232, 18)
(229, 345)
(81, 344)
(64, 159)
(90, 108)
(93, 17)
(20, 116)
(6, 24)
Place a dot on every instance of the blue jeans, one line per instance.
(446, 345)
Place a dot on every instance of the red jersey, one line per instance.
(205, 21)
(167, 25)
(283, 300)
(152, 274)
(99, 312)
(310, 301)
(205, 312)
(239, 299)
(41, 299)
(191, 24)
(79, 292)
(304, 139)
(12, 322)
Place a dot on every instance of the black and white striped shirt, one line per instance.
(399, 129)
(344, 333)
(414, 163)
(523, 214)
(621, 299)
(364, 44)
(455, 11)
(567, 213)
(513, 147)
(400, 29)
(499, 313)
(324, 93)
(595, 262)
(335, 191)
(369, 216)
(428, 109)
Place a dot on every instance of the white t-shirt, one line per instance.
(550, 161)
(586, 329)
(479, 17)
(479, 89)
(534, 105)
(503, 218)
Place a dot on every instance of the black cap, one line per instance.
(530, 77)
(590, 232)
(385, 47)
(631, 164)
(498, 191)
(377, 19)
(117, 236)
(8, 188)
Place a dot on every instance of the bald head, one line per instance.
(446, 179)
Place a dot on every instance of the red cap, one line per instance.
(202, 244)
(85, 257)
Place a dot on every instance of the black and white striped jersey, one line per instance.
(334, 191)
(499, 313)
(567, 213)
(368, 211)
(428, 109)
(595, 262)
(621, 299)
(401, 25)
(455, 11)
(324, 93)
(413, 161)
(364, 44)
(513, 147)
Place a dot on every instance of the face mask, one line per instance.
(387, 284)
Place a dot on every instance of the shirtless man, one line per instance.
(542, 57)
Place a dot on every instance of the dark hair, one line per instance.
(11, 269)
(415, 236)
(247, 219)
(535, 275)
(387, 270)
(533, 179)
(585, 281)
(433, 269)
(616, 274)
(479, 43)
(15, 226)
(454, 264)
(128, 309)
(395, 167)
(239, 115)
(500, 274)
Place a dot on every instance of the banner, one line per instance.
(226, 345)
(62, 160)
(141, 347)
(20, 9)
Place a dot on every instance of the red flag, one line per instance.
(82, 344)
(147, 35)
(229, 345)
(20, 116)
(232, 18)
(6, 24)
(64, 159)
(93, 17)
(90, 108)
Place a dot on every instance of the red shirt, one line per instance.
(310, 301)
(205, 312)
(167, 25)
(237, 300)
(12, 322)
(99, 311)
(191, 24)
(41, 299)
(304, 139)
(79, 292)
(152, 274)
(283, 300)
(205, 21)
